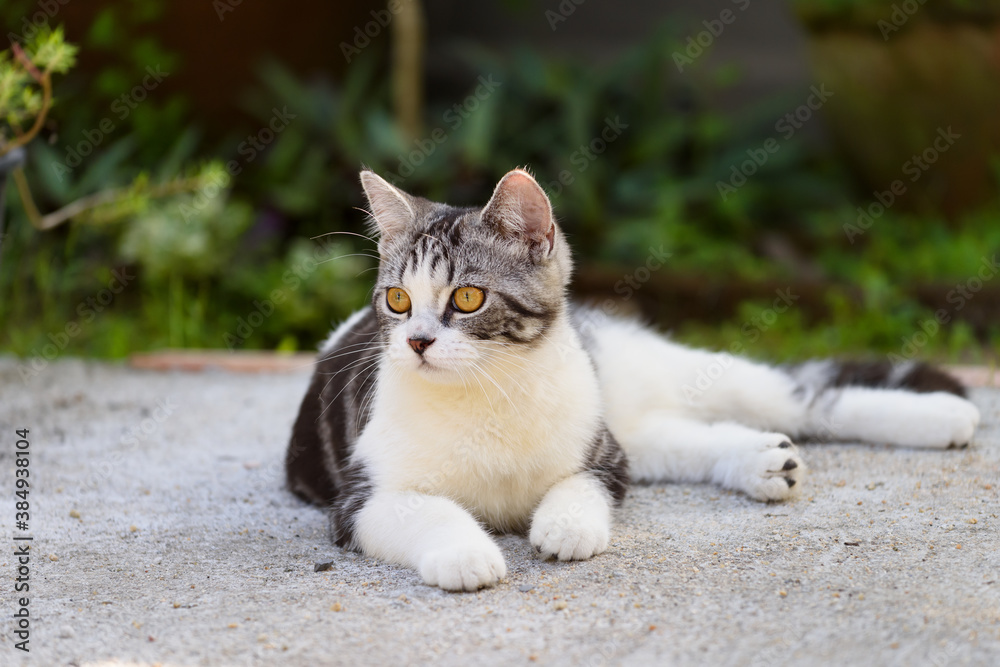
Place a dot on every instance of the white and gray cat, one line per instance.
(471, 396)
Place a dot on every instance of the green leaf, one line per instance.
(103, 31)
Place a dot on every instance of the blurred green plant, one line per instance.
(176, 224)
(25, 99)
(233, 243)
(659, 172)
(26, 85)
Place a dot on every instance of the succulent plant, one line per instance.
(26, 85)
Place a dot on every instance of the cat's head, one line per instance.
(462, 288)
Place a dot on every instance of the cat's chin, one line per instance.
(436, 373)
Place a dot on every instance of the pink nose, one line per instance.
(420, 344)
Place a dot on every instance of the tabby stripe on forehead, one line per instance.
(455, 231)
(417, 251)
(404, 268)
(448, 228)
(420, 247)
(435, 259)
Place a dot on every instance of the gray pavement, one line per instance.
(162, 534)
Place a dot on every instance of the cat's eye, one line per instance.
(468, 299)
(397, 300)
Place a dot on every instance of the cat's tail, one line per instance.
(917, 377)
(910, 404)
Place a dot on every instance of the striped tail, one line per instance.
(914, 376)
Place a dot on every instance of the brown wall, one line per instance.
(218, 56)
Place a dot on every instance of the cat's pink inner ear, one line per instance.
(519, 207)
(390, 206)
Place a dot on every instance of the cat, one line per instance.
(472, 397)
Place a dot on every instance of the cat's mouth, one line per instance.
(426, 366)
(436, 370)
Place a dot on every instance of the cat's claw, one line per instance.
(466, 568)
(769, 472)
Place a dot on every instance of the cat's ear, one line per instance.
(519, 208)
(392, 209)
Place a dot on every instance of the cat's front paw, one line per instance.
(463, 568)
(568, 537)
(768, 472)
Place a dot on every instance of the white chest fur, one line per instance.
(495, 447)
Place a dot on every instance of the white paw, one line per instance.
(771, 470)
(463, 568)
(936, 420)
(945, 420)
(569, 537)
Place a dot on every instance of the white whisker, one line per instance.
(352, 254)
(360, 236)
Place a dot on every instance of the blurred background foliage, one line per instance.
(220, 212)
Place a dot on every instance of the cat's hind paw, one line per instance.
(463, 568)
(945, 420)
(773, 471)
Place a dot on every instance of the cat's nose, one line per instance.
(419, 344)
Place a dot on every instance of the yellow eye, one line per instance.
(468, 299)
(398, 300)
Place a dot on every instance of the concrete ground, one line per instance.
(162, 534)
